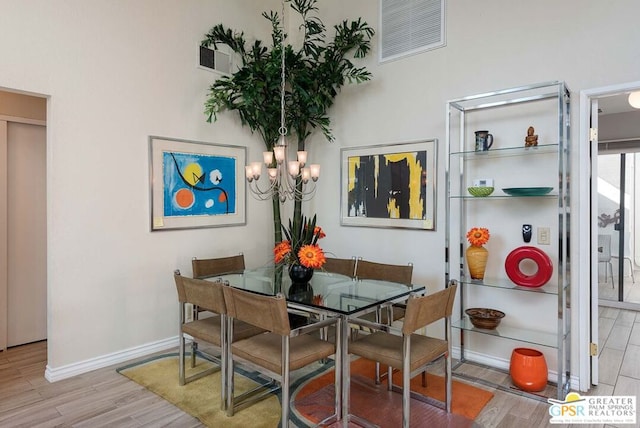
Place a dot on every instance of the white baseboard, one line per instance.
(503, 364)
(54, 374)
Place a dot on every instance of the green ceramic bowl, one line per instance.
(480, 190)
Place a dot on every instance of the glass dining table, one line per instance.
(327, 295)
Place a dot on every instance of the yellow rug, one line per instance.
(312, 396)
(201, 398)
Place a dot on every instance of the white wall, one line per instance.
(116, 72)
(490, 45)
(119, 71)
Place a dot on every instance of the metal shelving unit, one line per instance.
(508, 113)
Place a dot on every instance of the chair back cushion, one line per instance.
(342, 266)
(267, 312)
(203, 268)
(205, 294)
(384, 272)
(423, 310)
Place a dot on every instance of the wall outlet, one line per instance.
(544, 236)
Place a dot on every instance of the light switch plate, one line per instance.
(544, 236)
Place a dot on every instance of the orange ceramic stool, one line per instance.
(528, 369)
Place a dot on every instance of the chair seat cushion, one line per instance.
(208, 329)
(242, 330)
(387, 349)
(265, 350)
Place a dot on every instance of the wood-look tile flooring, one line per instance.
(103, 398)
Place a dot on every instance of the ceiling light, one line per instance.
(634, 99)
(288, 179)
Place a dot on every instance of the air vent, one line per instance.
(408, 27)
(215, 60)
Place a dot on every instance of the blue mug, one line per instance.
(484, 141)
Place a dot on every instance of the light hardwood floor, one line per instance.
(103, 398)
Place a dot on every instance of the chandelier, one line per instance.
(289, 179)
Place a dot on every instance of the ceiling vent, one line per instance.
(408, 27)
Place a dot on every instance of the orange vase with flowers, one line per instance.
(300, 250)
(476, 254)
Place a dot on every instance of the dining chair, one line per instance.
(204, 268)
(604, 256)
(408, 351)
(208, 295)
(384, 272)
(385, 314)
(276, 353)
(341, 266)
(615, 255)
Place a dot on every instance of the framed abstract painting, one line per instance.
(195, 184)
(391, 185)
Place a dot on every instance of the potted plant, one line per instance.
(314, 75)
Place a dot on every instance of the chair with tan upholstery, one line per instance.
(205, 268)
(385, 272)
(409, 351)
(276, 353)
(341, 266)
(208, 295)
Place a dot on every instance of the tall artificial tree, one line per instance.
(314, 75)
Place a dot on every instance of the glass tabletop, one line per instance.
(326, 291)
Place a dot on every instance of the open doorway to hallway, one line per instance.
(617, 223)
(618, 192)
(23, 219)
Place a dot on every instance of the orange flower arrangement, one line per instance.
(305, 249)
(478, 236)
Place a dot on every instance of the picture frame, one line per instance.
(194, 184)
(389, 185)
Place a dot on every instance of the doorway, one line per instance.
(591, 102)
(617, 219)
(23, 249)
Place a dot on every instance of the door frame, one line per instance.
(587, 227)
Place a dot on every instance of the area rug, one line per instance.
(314, 399)
(312, 396)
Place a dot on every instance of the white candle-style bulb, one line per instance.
(256, 168)
(273, 173)
(294, 168)
(306, 175)
(302, 158)
(315, 171)
(268, 158)
(634, 99)
(279, 151)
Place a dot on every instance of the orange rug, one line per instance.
(467, 401)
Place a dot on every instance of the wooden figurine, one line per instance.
(530, 139)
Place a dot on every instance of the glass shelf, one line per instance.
(548, 288)
(553, 195)
(512, 166)
(520, 334)
(507, 151)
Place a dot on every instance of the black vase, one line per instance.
(300, 274)
(299, 291)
